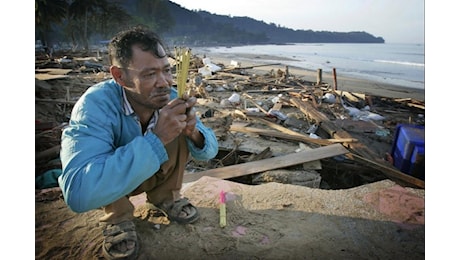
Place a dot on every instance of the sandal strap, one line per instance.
(117, 233)
(178, 205)
(125, 226)
(128, 235)
(174, 209)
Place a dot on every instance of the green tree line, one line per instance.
(78, 21)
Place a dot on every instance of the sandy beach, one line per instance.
(343, 83)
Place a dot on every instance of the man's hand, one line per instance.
(190, 131)
(177, 117)
(172, 120)
(191, 116)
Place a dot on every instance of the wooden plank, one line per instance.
(351, 96)
(298, 138)
(309, 111)
(255, 145)
(280, 128)
(316, 116)
(357, 125)
(54, 71)
(270, 163)
(277, 106)
(313, 165)
(333, 130)
(41, 84)
(234, 75)
(45, 76)
(391, 173)
(61, 101)
(416, 105)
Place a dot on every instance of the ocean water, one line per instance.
(399, 64)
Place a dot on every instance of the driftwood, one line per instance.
(313, 114)
(220, 73)
(332, 129)
(273, 90)
(416, 105)
(301, 137)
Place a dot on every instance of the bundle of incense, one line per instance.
(223, 210)
(182, 64)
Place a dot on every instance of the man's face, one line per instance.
(148, 79)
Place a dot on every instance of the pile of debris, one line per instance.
(271, 127)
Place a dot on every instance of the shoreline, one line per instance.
(345, 83)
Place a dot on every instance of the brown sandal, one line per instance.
(117, 236)
(175, 209)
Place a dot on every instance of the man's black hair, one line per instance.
(120, 47)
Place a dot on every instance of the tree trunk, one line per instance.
(86, 31)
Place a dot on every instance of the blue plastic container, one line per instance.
(408, 150)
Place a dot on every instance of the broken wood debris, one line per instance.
(269, 164)
(235, 125)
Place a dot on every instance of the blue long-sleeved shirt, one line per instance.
(104, 153)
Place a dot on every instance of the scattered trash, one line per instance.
(220, 89)
(278, 114)
(205, 71)
(352, 111)
(329, 98)
(209, 88)
(371, 116)
(197, 80)
(253, 109)
(314, 136)
(235, 64)
(64, 60)
(93, 65)
(382, 132)
(234, 98)
(312, 129)
(208, 68)
(277, 98)
(225, 103)
(362, 114)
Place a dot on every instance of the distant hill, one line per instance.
(177, 25)
(204, 28)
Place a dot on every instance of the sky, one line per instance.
(395, 21)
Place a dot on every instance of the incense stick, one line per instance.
(182, 65)
(222, 210)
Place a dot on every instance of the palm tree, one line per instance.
(91, 16)
(155, 14)
(82, 10)
(48, 13)
(110, 22)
